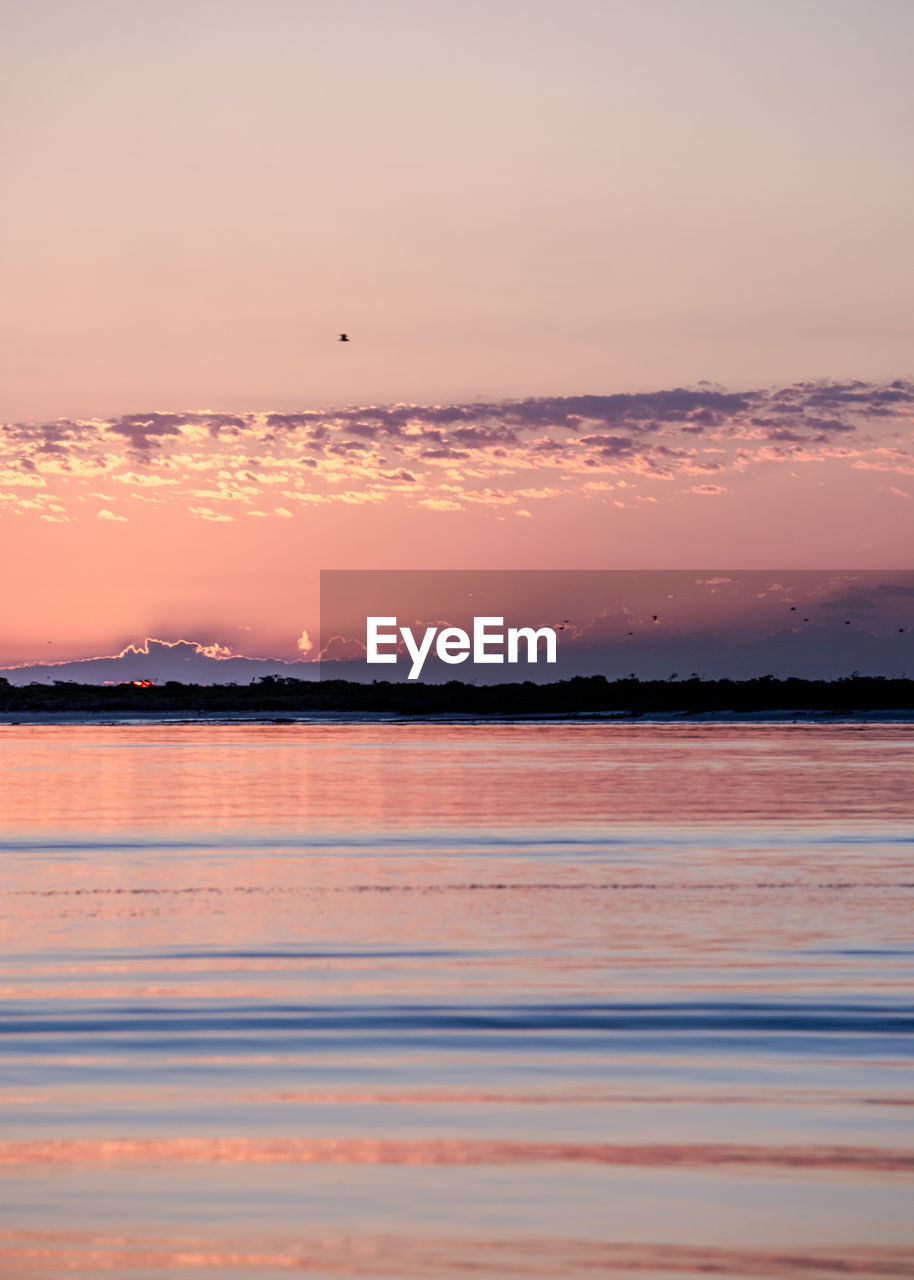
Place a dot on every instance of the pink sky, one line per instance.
(214, 527)
(497, 198)
(535, 221)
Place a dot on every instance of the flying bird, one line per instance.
(344, 337)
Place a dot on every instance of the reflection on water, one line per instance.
(437, 1000)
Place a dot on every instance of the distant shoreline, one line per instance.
(139, 718)
(582, 699)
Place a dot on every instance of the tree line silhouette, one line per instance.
(578, 696)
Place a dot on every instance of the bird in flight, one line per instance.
(344, 337)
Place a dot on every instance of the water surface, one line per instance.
(436, 1000)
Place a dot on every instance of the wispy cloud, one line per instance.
(218, 466)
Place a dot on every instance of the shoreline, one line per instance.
(182, 718)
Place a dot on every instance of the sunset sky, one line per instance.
(628, 285)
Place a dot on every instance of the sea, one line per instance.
(385, 999)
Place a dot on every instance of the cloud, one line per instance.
(24, 478)
(219, 652)
(190, 661)
(144, 479)
(105, 514)
(441, 504)
(444, 457)
(342, 649)
(610, 446)
(207, 513)
(304, 643)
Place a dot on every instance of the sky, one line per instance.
(627, 285)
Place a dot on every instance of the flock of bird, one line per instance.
(344, 337)
(655, 617)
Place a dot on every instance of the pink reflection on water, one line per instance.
(174, 872)
(132, 1151)
(400, 777)
(418, 1257)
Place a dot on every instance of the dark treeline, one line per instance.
(582, 695)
